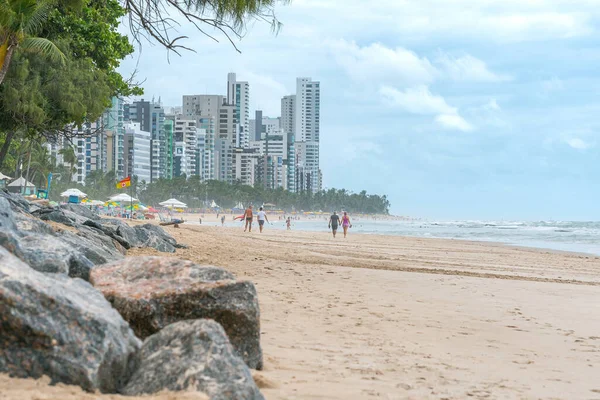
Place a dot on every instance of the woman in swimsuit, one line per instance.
(346, 223)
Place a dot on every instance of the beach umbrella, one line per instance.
(152, 210)
(4, 177)
(173, 203)
(213, 205)
(110, 203)
(73, 192)
(123, 198)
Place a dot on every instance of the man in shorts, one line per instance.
(334, 222)
(248, 217)
(261, 217)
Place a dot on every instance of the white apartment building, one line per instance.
(306, 131)
(185, 140)
(245, 164)
(259, 126)
(137, 152)
(238, 94)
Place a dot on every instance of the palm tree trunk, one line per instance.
(6, 146)
(6, 53)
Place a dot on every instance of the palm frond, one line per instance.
(38, 15)
(45, 47)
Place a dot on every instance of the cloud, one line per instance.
(419, 100)
(378, 62)
(454, 121)
(578, 144)
(468, 68)
(492, 105)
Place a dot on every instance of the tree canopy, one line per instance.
(52, 98)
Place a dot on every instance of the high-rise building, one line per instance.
(186, 147)
(207, 124)
(238, 94)
(306, 131)
(288, 124)
(137, 152)
(261, 125)
(151, 117)
(113, 120)
(169, 126)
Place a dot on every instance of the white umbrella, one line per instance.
(4, 177)
(123, 198)
(73, 192)
(173, 203)
(213, 205)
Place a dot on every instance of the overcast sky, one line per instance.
(477, 109)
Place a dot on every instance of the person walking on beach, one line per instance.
(223, 220)
(346, 223)
(248, 217)
(334, 221)
(261, 216)
(288, 222)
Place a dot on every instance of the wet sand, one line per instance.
(405, 318)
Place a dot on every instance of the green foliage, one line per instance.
(196, 193)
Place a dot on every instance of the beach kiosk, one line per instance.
(21, 186)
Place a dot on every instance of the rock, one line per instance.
(17, 202)
(155, 239)
(123, 230)
(192, 355)
(108, 232)
(159, 231)
(65, 217)
(27, 223)
(80, 210)
(61, 327)
(97, 247)
(153, 292)
(48, 254)
(7, 217)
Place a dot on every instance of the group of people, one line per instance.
(334, 221)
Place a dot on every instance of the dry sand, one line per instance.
(403, 318)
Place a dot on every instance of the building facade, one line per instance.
(138, 152)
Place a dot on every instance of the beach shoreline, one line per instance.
(375, 316)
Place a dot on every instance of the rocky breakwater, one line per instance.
(153, 292)
(201, 326)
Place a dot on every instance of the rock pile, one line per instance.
(72, 307)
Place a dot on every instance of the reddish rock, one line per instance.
(153, 292)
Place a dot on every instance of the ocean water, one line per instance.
(580, 237)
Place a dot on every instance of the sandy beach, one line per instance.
(405, 318)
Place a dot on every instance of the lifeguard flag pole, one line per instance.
(123, 184)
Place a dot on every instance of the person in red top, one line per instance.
(248, 216)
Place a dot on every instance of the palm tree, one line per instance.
(20, 21)
(70, 158)
(42, 163)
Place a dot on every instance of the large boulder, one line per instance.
(61, 216)
(53, 325)
(94, 244)
(48, 254)
(80, 210)
(192, 355)
(153, 292)
(158, 240)
(7, 217)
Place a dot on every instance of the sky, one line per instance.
(455, 109)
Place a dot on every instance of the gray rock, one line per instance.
(65, 217)
(61, 327)
(108, 232)
(153, 292)
(80, 210)
(155, 239)
(7, 216)
(30, 224)
(192, 355)
(48, 254)
(17, 202)
(122, 229)
(97, 247)
(158, 231)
